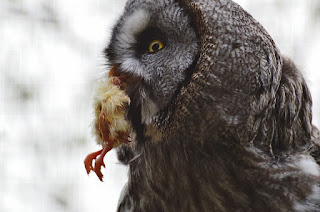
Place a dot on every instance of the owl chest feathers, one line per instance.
(190, 177)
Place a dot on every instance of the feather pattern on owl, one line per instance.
(221, 120)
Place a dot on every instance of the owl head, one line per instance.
(207, 70)
(155, 46)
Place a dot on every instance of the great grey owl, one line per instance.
(221, 120)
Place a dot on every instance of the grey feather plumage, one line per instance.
(222, 121)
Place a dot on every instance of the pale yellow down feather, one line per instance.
(112, 100)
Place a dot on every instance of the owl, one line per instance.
(221, 121)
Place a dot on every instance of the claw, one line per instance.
(98, 160)
(97, 170)
(88, 160)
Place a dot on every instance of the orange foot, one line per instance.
(98, 161)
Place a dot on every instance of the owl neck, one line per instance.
(175, 177)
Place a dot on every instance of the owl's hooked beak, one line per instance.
(124, 77)
(118, 77)
(114, 71)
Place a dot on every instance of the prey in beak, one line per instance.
(110, 125)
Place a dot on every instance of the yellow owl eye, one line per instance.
(155, 45)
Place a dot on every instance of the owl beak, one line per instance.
(113, 71)
(124, 77)
(119, 78)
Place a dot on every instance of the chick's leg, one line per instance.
(99, 161)
(88, 160)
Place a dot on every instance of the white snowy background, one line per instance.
(50, 55)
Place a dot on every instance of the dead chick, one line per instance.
(110, 125)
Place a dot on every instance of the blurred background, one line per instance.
(50, 56)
